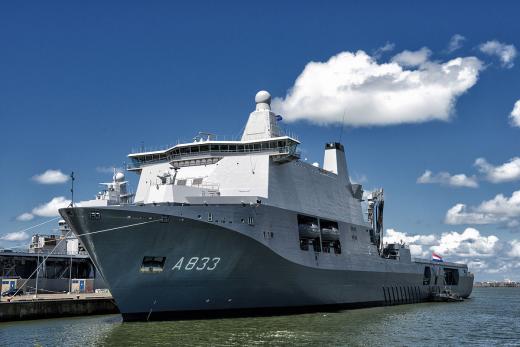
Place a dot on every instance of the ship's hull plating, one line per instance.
(210, 268)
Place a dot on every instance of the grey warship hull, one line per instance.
(238, 258)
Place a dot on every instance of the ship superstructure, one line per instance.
(220, 226)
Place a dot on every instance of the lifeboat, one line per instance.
(330, 234)
(310, 231)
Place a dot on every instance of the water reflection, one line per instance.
(355, 327)
(489, 318)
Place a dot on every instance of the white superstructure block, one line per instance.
(262, 122)
(334, 160)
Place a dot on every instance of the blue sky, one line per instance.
(81, 84)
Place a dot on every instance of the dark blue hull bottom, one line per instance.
(245, 312)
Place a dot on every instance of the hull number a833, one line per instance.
(196, 263)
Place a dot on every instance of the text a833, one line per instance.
(196, 263)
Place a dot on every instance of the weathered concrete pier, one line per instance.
(55, 305)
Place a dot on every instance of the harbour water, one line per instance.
(491, 317)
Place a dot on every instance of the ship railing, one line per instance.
(276, 150)
(204, 137)
(200, 138)
(136, 164)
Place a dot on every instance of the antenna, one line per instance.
(72, 189)
(342, 126)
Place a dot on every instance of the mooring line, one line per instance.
(43, 261)
(37, 225)
(117, 228)
(66, 235)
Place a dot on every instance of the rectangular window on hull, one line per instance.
(427, 276)
(152, 264)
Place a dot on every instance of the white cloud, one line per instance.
(506, 172)
(51, 177)
(15, 236)
(389, 46)
(485, 254)
(445, 178)
(416, 242)
(515, 114)
(501, 205)
(455, 42)
(506, 53)
(469, 243)
(500, 209)
(356, 89)
(412, 58)
(515, 249)
(458, 214)
(50, 209)
(24, 217)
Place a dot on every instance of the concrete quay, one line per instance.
(25, 307)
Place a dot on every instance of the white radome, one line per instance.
(263, 97)
(119, 177)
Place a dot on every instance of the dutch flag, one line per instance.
(436, 257)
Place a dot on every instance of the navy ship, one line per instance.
(222, 227)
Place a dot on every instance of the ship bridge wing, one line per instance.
(211, 151)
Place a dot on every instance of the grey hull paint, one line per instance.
(252, 272)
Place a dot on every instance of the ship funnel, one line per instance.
(335, 161)
(262, 123)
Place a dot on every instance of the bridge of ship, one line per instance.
(204, 152)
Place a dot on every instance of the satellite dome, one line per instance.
(119, 177)
(263, 97)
